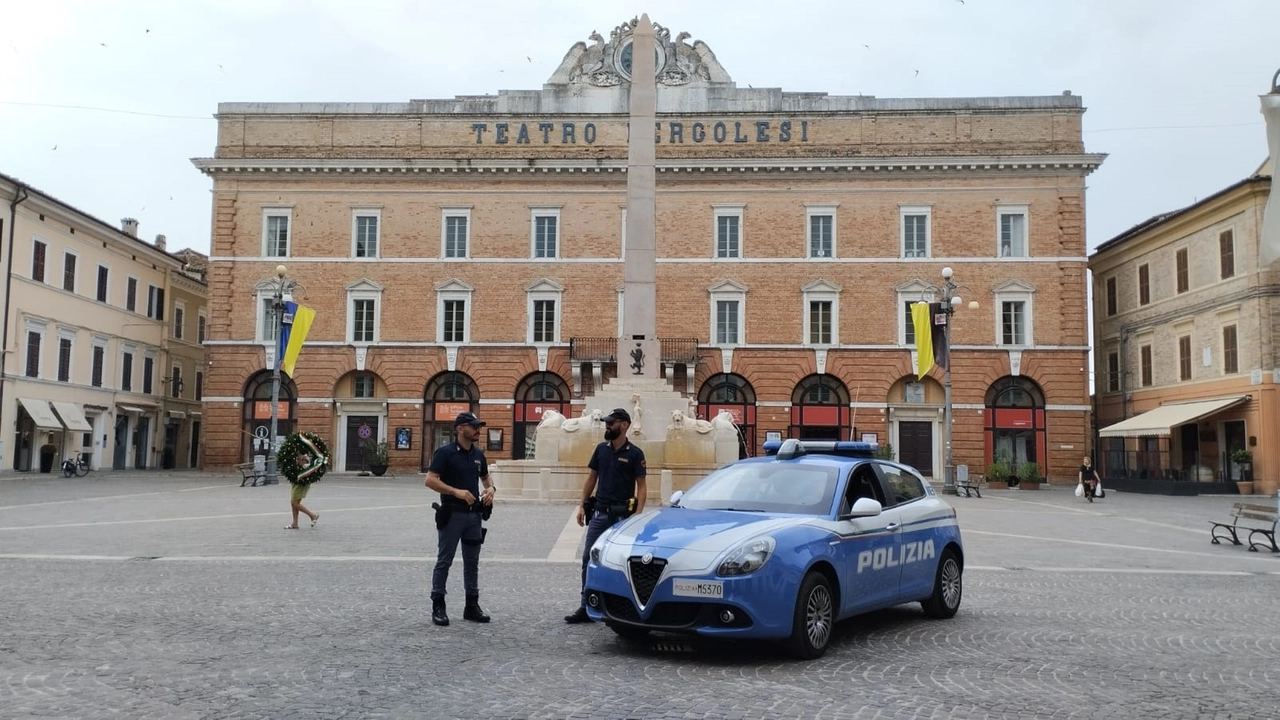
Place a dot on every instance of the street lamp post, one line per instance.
(949, 300)
(277, 306)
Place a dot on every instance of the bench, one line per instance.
(1260, 514)
(970, 489)
(247, 473)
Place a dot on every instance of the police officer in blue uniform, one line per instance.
(457, 471)
(617, 477)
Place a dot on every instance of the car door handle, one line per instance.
(891, 527)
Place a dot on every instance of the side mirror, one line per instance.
(864, 507)
(675, 497)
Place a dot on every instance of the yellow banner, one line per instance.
(923, 324)
(301, 324)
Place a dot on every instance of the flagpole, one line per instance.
(949, 300)
(277, 305)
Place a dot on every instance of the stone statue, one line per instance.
(724, 421)
(551, 419)
(677, 420)
(637, 428)
(589, 418)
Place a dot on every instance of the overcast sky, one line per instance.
(102, 104)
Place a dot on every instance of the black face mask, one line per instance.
(612, 433)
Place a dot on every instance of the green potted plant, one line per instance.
(885, 451)
(1244, 459)
(998, 474)
(378, 459)
(1029, 476)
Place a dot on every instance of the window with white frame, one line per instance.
(1014, 316)
(822, 313)
(179, 320)
(820, 221)
(728, 305)
(104, 276)
(69, 262)
(35, 341)
(39, 252)
(131, 295)
(66, 341)
(155, 302)
(909, 294)
(275, 232)
(546, 233)
(728, 230)
(202, 327)
(199, 390)
(126, 368)
(362, 385)
(1011, 231)
(915, 222)
(366, 224)
(453, 312)
(175, 381)
(543, 298)
(268, 323)
(148, 372)
(364, 311)
(455, 233)
(99, 361)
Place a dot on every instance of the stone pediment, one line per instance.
(453, 285)
(608, 63)
(364, 285)
(1013, 286)
(544, 285)
(727, 286)
(821, 286)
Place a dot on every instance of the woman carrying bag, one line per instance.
(1088, 480)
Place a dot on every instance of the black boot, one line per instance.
(438, 615)
(473, 612)
(578, 616)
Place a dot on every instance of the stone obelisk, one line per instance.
(1269, 246)
(639, 353)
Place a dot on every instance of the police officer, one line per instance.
(617, 477)
(457, 471)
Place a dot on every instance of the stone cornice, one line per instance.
(1086, 163)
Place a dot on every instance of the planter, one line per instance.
(997, 485)
(378, 470)
(1245, 487)
(1029, 485)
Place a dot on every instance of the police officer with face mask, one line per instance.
(457, 471)
(617, 477)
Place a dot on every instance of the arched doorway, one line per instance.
(256, 416)
(820, 409)
(360, 403)
(731, 392)
(447, 394)
(1015, 421)
(535, 394)
(916, 423)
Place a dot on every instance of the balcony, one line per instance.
(675, 351)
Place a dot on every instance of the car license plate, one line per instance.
(698, 588)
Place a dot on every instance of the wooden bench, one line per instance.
(970, 489)
(1261, 515)
(247, 473)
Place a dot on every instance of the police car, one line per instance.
(781, 547)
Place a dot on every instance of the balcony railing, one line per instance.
(679, 350)
(605, 350)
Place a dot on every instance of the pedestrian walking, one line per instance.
(296, 494)
(615, 489)
(1089, 479)
(457, 472)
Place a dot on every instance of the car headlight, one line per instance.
(749, 558)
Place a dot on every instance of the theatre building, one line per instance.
(468, 254)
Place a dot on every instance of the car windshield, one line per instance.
(765, 487)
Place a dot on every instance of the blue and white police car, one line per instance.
(781, 547)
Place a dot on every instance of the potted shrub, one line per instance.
(1244, 459)
(378, 459)
(1029, 476)
(885, 451)
(997, 475)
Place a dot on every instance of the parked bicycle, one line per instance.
(78, 467)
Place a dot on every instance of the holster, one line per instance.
(621, 511)
(485, 511)
(443, 512)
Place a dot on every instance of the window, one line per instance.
(1013, 322)
(909, 329)
(455, 321)
(202, 324)
(64, 358)
(728, 231)
(175, 382)
(1111, 296)
(34, 338)
(544, 321)
(1146, 365)
(1144, 284)
(546, 233)
(456, 238)
(69, 272)
(1230, 361)
(915, 231)
(199, 386)
(148, 373)
(453, 306)
(903, 486)
(364, 233)
(362, 320)
(275, 233)
(126, 371)
(1184, 282)
(131, 295)
(1227, 253)
(179, 319)
(1013, 231)
(820, 322)
(1184, 357)
(270, 325)
(363, 385)
(728, 319)
(1113, 372)
(544, 311)
(99, 359)
(821, 230)
(38, 252)
(822, 313)
(155, 302)
(104, 274)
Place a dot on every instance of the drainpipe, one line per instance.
(19, 196)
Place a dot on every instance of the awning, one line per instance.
(177, 414)
(131, 409)
(71, 415)
(1161, 421)
(41, 413)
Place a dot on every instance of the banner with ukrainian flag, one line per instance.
(296, 322)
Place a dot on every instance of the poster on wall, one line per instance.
(404, 438)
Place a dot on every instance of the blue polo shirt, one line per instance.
(616, 471)
(459, 468)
